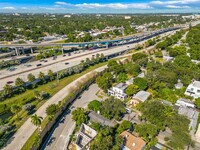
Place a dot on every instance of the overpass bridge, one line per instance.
(96, 44)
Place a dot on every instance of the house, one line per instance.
(118, 91)
(141, 75)
(84, 137)
(127, 17)
(179, 85)
(141, 96)
(94, 117)
(130, 81)
(191, 114)
(185, 102)
(132, 142)
(193, 89)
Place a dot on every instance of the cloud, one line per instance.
(9, 8)
(177, 7)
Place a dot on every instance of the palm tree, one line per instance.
(19, 82)
(8, 91)
(15, 109)
(36, 120)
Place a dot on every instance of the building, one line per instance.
(141, 75)
(84, 137)
(118, 91)
(168, 58)
(130, 81)
(127, 17)
(191, 114)
(132, 142)
(141, 96)
(185, 102)
(67, 16)
(193, 89)
(94, 117)
(179, 84)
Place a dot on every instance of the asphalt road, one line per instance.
(60, 136)
(58, 64)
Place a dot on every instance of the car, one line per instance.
(27, 54)
(9, 82)
(69, 54)
(64, 55)
(28, 65)
(66, 63)
(45, 60)
(39, 65)
(12, 69)
(41, 60)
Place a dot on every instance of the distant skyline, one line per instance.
(103, 6)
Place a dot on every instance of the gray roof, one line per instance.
(141, 75)
(121, 86)
(196, 84)
(185, 100)
(186, 111)
(100, 119)
(142, 96)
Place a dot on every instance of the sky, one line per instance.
(100, 6)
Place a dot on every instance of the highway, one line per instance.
(59, 64)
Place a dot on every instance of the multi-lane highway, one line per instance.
(59, 64)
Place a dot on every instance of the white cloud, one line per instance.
(114, 5)
(177, 7)
(8, 8)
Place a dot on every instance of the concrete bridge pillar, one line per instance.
(107, 45)
(17, 51)
(23, 50)
(62, 50)
(31, 50)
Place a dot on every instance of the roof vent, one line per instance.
(133, 144)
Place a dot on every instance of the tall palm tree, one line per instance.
(36, 120)
(15, 109)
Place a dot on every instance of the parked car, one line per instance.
(64, 55)
(45, 60)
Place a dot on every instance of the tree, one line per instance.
(132, 69)
(141, 83)
(197, 102)
(37, 121)
(124, 126)
(31, 77)
(19, 82)
(132, 89)
(122, 77)
(112, 108)
(147, 131)
(15, 109)
(51, 75)
(115, 67)
(79, 116)
(8, 90)
(94, 105)
(105, 81)
(138, 56)
(51, 110)
(41, 75)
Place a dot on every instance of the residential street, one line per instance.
(63, 130)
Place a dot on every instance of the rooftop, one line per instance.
(121, 86)
(99, 118)
(186, 111)
(196, 84)
(185, 100)
(133, 142)
(142, 96)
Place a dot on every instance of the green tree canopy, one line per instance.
(79, 116)
(132, 89)
(94, 105)
(141, 83)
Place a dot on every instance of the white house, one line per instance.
(118, 91)
(185, 102)
(141, 96)
(193, 89)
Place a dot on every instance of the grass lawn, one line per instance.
(25, 97)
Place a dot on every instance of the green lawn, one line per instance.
(25, 97)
